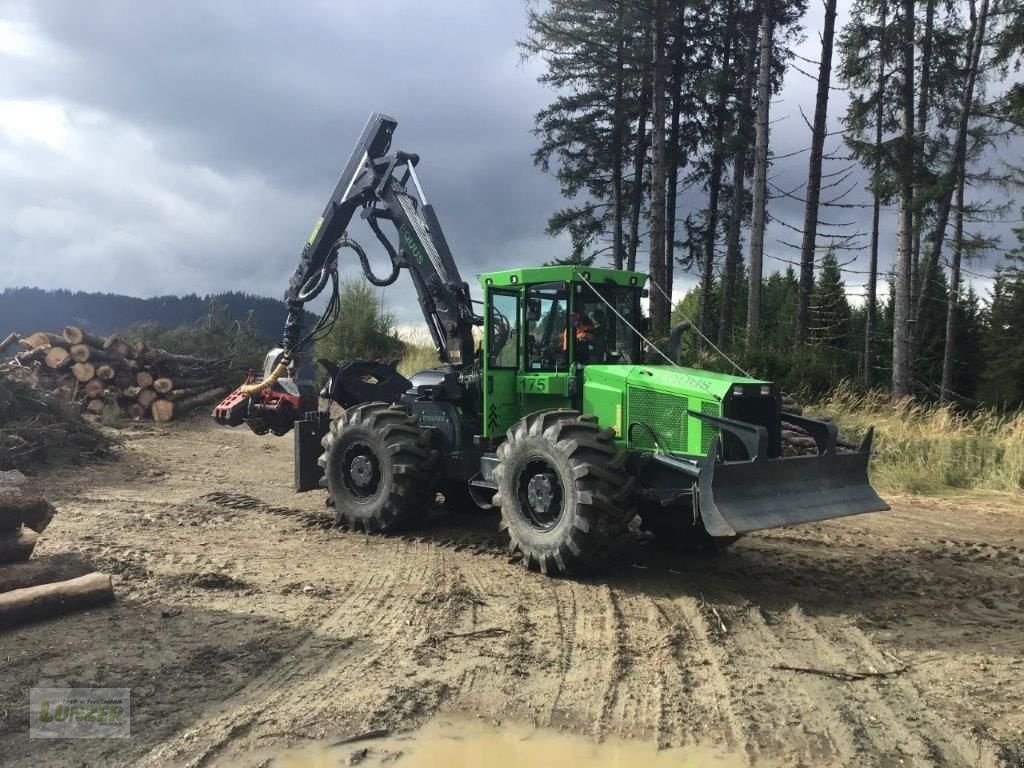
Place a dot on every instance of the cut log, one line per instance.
(162, 410)
(155, 356)
(58, 358)
(76, 335)
(32, 511)
(210, 396)
(163, 385)
(96, 406)
(16, 546)
(93, 388)
(146, 397)
(140, 347)
(144, 379)
(84, 371)
(106, 372)
(131, 392)
(84, 353)
(43, 570)
(39, 338)
(180, 394)
(47, 600)
(136, 412)
(118, 346)
(200, 384)
(9, 341)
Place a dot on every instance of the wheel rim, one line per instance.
(540, 493)
(360, 471)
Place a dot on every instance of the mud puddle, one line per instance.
(465, 741)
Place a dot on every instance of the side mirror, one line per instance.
(533, 310)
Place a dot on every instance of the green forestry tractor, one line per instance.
(565, 417)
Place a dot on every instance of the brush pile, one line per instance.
(106, 377)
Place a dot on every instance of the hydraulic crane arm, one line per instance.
(374, 183)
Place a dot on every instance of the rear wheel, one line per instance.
(565, 501)
(377, 462)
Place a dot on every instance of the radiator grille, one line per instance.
(707, 432)
(664, 414)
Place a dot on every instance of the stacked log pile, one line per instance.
(796, 441)
(101, 374)
(47, 586)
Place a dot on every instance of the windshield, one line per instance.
(600, 317)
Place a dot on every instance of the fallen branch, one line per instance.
(376, 733)
(486, 632)
(842, 675)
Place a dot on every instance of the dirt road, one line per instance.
(247, 623)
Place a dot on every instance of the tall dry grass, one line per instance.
(931, 449)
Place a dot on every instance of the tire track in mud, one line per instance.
(323, 671)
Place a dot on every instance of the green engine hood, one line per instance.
(692, 382)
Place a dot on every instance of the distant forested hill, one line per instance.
(32, 309)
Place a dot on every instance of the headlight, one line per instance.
(737, 390)
(766, 389)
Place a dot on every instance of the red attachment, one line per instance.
(234, 409)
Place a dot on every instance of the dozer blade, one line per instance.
(741, 496)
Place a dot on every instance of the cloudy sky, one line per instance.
(152, 148)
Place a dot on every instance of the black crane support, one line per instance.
(375, 182)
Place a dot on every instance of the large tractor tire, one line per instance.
(565, 501)
(378, 464)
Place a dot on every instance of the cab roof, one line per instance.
(561, 273)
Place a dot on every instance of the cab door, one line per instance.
(544, 382)
(502, 359)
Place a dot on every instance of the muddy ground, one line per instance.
(247, 623)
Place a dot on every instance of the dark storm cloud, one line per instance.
(176, 147)
(273, 96)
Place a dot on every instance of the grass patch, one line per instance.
(931, 449)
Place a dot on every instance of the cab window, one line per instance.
(503, 330)
(546, 322)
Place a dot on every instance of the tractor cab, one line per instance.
(544, 326)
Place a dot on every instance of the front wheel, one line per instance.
(565, 500)
(377, 464)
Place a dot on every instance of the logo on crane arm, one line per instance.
(410, 244)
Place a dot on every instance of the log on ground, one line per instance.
(118, 346)
(58, 358)
(35, 512)
(163, 385)
(40, 338)
(33, 603)
(43, 570)
(162, 410)
(93, 388)
(96, 406)
(84, 371)
(106, 372)
(146, 397)
(210, 396)
(84, 353)
(136, 411)
(76, 335)
(16, 546)
(144, 379)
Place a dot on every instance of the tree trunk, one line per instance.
(83, 353)
(35, 512)
(163, 385)
(146, 397)
(136, 411)
(42, 570)
(144, 379)
(96, 406)
(659, 304)
(94, 388)
(106, 372)
(871, 308)
(84, 371)
(75, 335)
(58, 358)
(117, 346)
(638, 180)
(901, 363)
(39, 338)
(32, 354)
(47, 600)
(16, 546)
(922, 127)
(162, 410)
(739, 170)
(959, 154)
(674, 163)
(820, 127)
(756, 262)
(618, 128)
(188, 403)
(949, 353)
